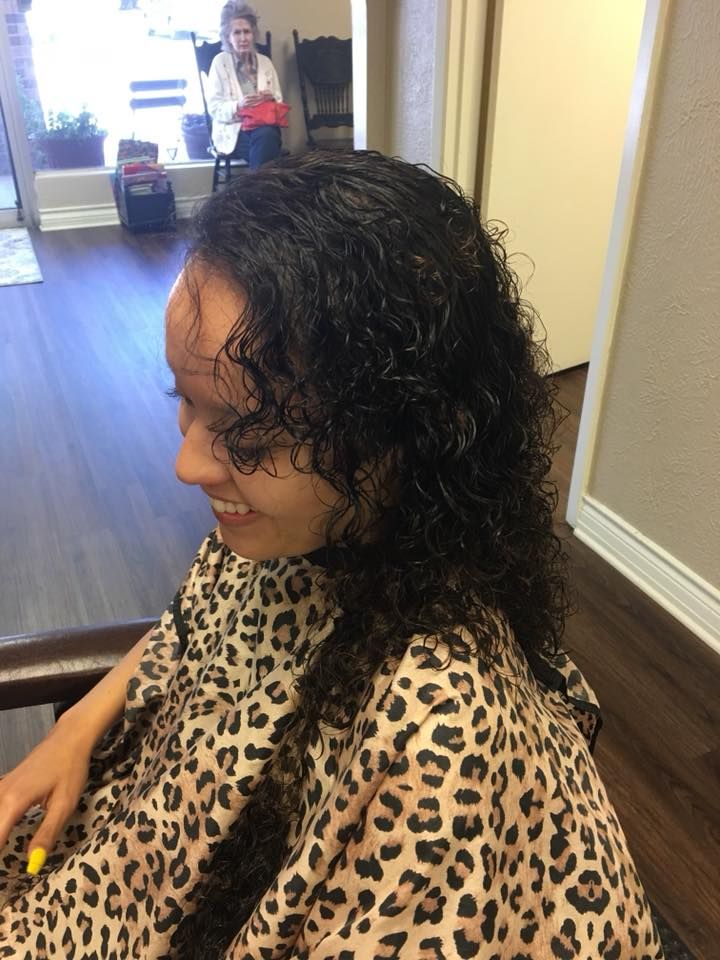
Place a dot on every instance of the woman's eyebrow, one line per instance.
(222, 408)
(216, 407)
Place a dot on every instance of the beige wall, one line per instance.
(376, 54)
(562, 79)
(657, 453)
(311, 18)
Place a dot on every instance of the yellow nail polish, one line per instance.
(36, 860)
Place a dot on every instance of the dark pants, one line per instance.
(258, 146)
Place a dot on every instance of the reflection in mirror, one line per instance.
(76, 87)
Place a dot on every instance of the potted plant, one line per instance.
(195, 135)
(73, 140)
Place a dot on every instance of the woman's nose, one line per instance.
(196, 462)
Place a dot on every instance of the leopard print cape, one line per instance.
(461, 816)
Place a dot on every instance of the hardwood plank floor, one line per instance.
(658, 752)
(95, 527)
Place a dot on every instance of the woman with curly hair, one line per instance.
(353, 733)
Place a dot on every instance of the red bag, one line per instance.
(269, 113)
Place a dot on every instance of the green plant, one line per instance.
(73, 126)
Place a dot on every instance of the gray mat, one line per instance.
(17, 258)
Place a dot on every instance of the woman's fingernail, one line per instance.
(36, 860)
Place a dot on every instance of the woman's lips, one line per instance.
(232, 513)
(236, 519)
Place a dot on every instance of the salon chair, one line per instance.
(60, 666)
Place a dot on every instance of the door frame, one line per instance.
(15, 127)
(642, 97)
(455, 143)
(372, 75)
(10, 216)
(474, 32)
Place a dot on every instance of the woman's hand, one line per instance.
(253, 99)
(53, 775)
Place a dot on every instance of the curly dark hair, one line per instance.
(384, 332)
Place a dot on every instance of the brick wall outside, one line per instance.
(13, 12)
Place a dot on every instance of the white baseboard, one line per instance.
(678, 589)
(102, 215)
(69, 218)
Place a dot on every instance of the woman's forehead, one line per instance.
(202, 309)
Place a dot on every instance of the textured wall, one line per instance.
(658, 449)
(411, 30)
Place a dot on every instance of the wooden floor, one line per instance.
(95, 527)
(659, 749)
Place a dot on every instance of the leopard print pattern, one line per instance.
(460, 816)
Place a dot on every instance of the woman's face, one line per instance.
(261, 515)
(241, 36)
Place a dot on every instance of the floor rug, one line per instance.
(17, 258)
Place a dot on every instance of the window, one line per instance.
(85, 54)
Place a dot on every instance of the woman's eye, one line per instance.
(175, 394)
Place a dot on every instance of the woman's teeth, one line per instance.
(224, 506)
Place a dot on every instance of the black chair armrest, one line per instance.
(62, 664)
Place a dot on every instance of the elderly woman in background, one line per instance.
(241, 77)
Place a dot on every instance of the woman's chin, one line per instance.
(249, 543)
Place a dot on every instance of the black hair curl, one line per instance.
(384, 332)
